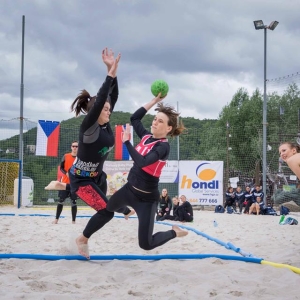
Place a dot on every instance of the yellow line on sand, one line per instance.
(294, 269)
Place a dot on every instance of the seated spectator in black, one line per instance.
(164, 205)
(185, 210)
(175, 216)
(230, 198)
(257, 206)
(239, 198)
(248, 200)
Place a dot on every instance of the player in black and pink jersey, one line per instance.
(149, 156)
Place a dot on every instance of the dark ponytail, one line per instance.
(82, 103)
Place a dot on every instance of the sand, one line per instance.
(209, 278)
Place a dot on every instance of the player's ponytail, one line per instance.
(82, 103)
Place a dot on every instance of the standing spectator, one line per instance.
(230, 198)
(164, 205)
(185, 210)
(65, 165)
(248, 199)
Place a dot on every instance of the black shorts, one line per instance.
(67, 194)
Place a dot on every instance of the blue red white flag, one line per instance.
(121, 152)
(47, 138)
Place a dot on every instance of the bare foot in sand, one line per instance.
(73, 222)
(55, 221)
(179, 232)
(132, 212)
(83, 247)
(55, 186)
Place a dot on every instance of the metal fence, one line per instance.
(239, 148)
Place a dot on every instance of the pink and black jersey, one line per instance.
(149, 156)
(143, 148)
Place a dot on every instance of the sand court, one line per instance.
(29, 231)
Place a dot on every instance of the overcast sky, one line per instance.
(204, 49)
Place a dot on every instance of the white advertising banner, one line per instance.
(117, 172)
(170, 173)
(201, 182)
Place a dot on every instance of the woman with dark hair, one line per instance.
(230, 198)
(290, 153)
(164, 205)
(96, 140)
(149, 157)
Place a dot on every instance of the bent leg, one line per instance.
(146, 215)
(56, 185)
(97, 221)
(119, 200)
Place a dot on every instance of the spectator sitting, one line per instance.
(230, 198)
(164, 205)
(258, 193)
(239, 198)
(257, 206)
(185, 210)
(175, 216)
(248, 200)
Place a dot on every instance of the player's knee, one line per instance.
(108, 215)
(61, 201)
(144, 245)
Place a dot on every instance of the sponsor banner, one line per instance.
(201, 182)
(117, 172)
(170, 172)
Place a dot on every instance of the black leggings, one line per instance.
(145, 205)
(63, 195)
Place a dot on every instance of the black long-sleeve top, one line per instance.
(163, 203)
(230, 196)
(96, 141)
(175, 210)
(158, 154)
(240, 196)
(187, 207)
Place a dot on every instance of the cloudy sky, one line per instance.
(204, 49)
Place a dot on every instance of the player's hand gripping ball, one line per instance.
(159, 86)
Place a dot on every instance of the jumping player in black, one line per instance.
(149, 156)
(96, 140)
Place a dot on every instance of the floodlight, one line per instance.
(273, 25)
(259, 24)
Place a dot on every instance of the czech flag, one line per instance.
(47, 138)
(121, 152)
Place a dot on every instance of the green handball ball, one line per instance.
(159, 86)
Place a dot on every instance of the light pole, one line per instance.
(259, 24)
